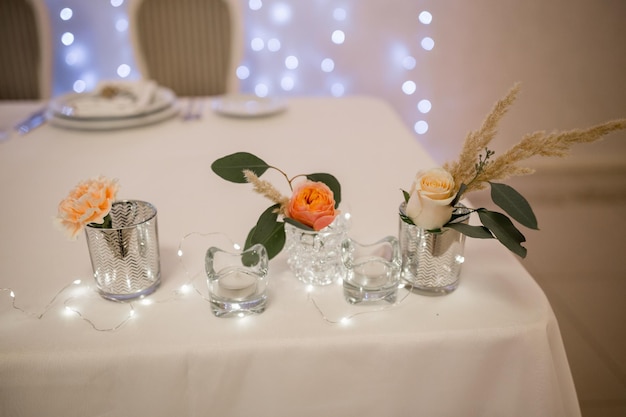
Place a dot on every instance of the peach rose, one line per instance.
(89, 202)
(313, 204)
(430, 197)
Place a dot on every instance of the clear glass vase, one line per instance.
(315, 256)
(372, 270)
(125, 257)
(431, 261)
(237, 281)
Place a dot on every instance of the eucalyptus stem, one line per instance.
(480, 166)
(284, 174)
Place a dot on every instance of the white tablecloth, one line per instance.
(491, 348)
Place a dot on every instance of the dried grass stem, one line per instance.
(266, 189)
(553, 144)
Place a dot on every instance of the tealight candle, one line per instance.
(371, 273)
(236, 286)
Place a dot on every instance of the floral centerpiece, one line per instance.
(431, 201)
(312, 205)
(122, 237)
(89, 202)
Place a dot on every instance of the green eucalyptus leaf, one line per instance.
(298, 224)
(459, 194)
(269, 232)
(514, 204)
(107, 223)
(274, 241)
(406, 219)
(406, 196)
(331, 182)
(266, 219)
(230, 167)
(479, 232)
(249, 243)
(456, 215)
(250, 258)
(504, 230)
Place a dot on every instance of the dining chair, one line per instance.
(189, 46)
(26, 50)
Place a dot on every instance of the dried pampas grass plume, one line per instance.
(266, 189)
(553, 144)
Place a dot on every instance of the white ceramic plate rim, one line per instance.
(242, 105)
(163, 97)
(112, 124)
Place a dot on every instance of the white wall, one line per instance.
(569, 55)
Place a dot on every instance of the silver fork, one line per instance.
(194, 109)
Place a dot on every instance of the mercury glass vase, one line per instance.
(237, 281)
(431, 261)
(125, 257)
(315, 256)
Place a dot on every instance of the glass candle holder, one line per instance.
(237, 281)
(372, 270)
(125, 256)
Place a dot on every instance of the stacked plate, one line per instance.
(248, 106)
(113, 105)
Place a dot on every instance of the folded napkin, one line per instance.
(115, 99)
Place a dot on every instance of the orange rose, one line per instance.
(89, 202)
(312, 204)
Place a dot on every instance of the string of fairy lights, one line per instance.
(290, 48)
(78, 290)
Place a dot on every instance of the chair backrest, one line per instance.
(190, 46)
(26, 52)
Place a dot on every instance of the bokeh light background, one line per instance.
(441, 65)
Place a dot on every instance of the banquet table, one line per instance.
(490, 348)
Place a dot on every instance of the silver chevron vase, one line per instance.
(431, 262)
(125, 257)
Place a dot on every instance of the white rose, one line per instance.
(430, 197)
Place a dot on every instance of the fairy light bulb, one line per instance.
(255, 4)
(66, 13)
(67, 38)
(425, 17)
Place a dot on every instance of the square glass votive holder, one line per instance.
(372, 270)
(237, 281)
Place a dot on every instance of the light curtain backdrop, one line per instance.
(568, 54)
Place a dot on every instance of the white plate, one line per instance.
(248, 105)
(112, 124)
(100, 108)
